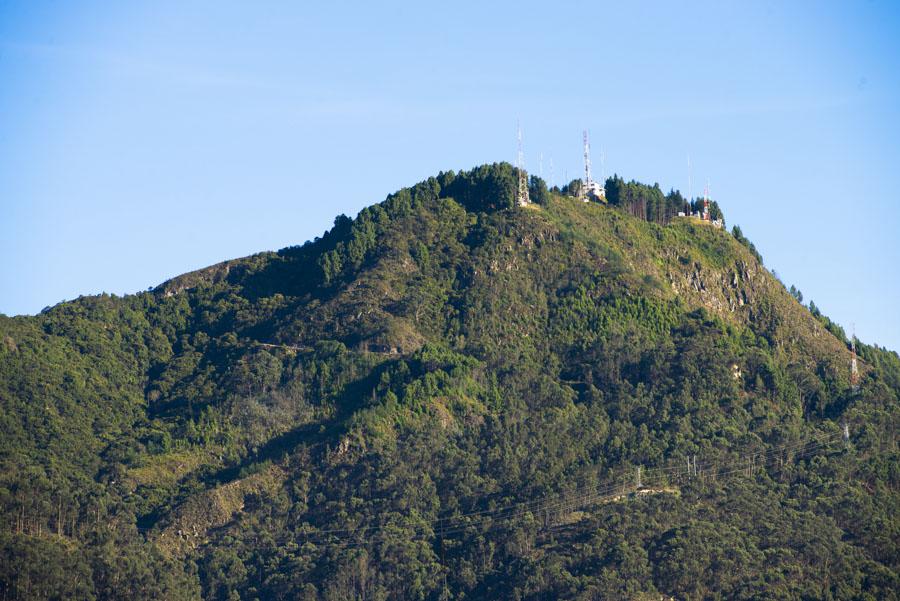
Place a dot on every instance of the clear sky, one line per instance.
(140, 140)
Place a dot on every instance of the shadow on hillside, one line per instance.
(355, 396)
(316, 436)
(352, 398)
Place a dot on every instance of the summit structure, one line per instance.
(590, 189)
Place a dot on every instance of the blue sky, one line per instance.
(142, 140)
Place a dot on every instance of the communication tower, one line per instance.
(587, 184)
(522, 198)
(602, 167)
(854, 370)
(706, 202)
(690, 181)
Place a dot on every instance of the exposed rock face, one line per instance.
(192, 521)
(721, 290)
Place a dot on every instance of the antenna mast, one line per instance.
(690, 181)
(602, 166)
(522, 188)
(706, 202)
(854, 370)
(586, 186)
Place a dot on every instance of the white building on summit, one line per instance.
(593, 190)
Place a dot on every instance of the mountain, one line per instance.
(452, 397)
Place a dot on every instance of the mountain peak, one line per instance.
(453, 396)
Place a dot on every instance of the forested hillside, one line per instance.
(450, 397)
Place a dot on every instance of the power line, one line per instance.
(617, 482)
(540, 509)
(593, 495)
(587, 495)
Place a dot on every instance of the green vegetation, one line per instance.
(649, 203)
(364, 416)
(739, 236)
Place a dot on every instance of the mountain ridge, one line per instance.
(447, 352)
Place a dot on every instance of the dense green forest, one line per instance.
(451, 397)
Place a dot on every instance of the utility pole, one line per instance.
(691, 465)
